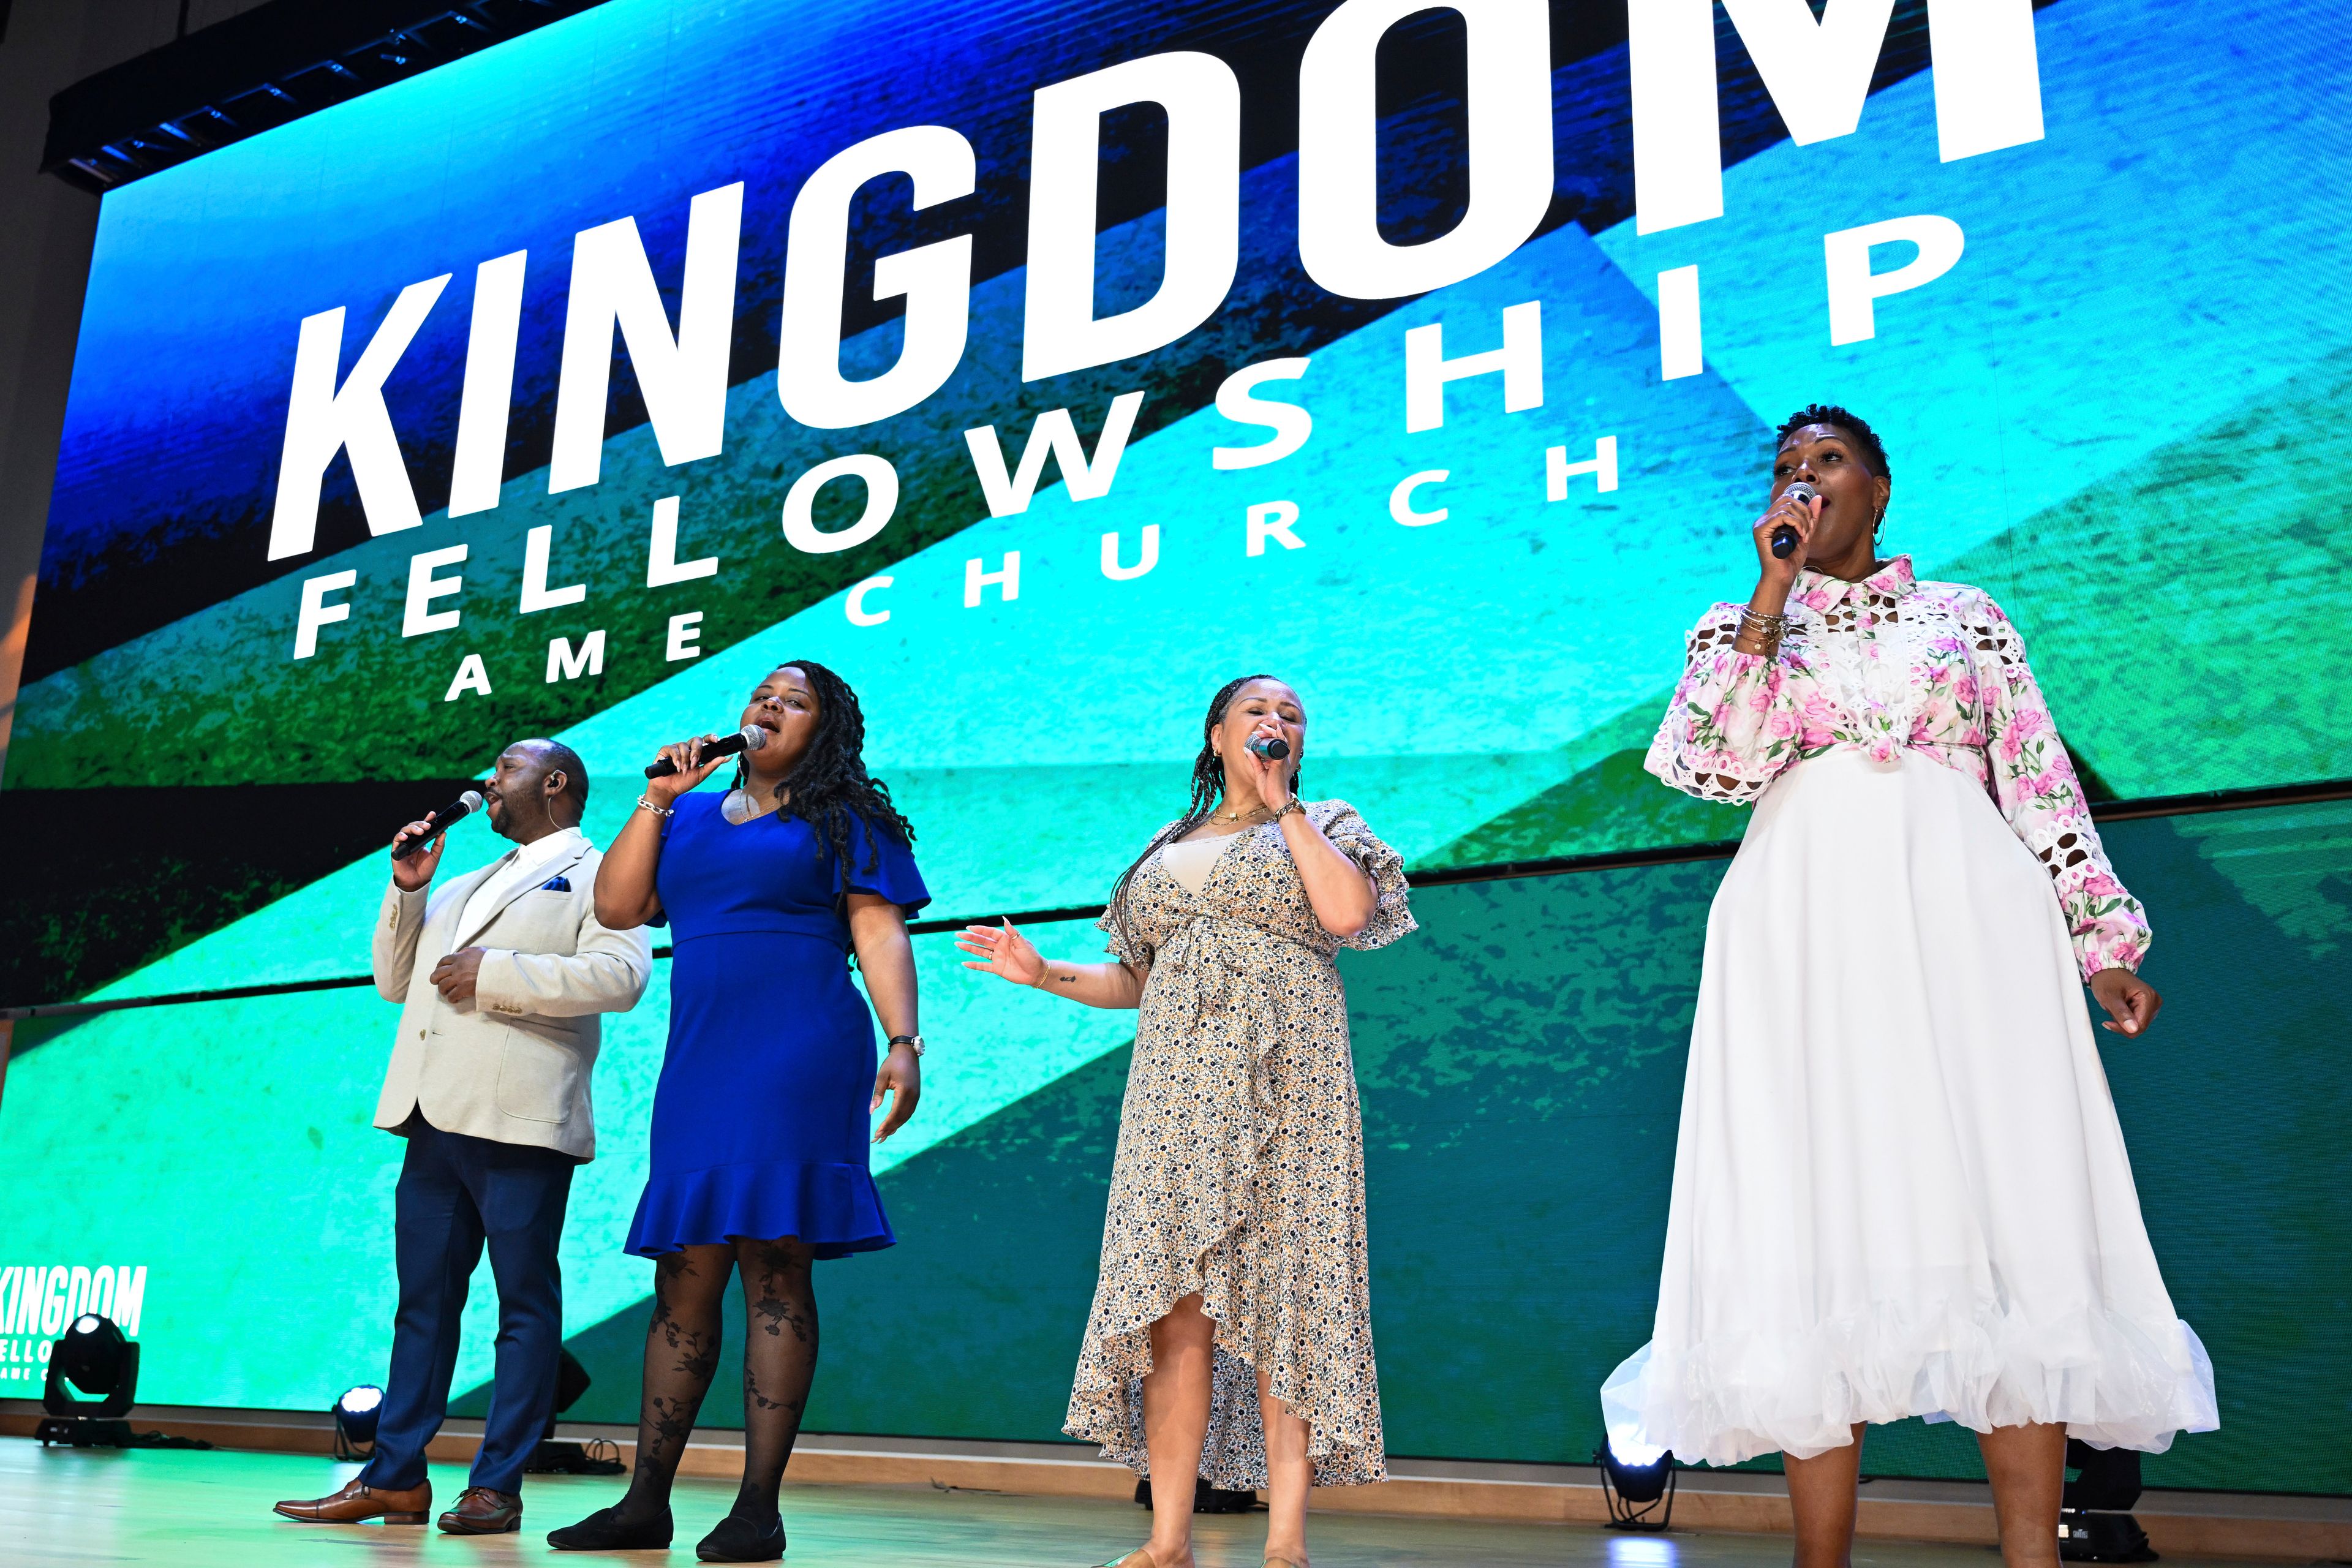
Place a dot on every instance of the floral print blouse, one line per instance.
(1892, 664)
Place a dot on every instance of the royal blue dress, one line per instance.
(760, 1126)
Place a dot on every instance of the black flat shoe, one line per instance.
(607, 1530)
(739, 1540)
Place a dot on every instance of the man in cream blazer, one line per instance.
(501, 976)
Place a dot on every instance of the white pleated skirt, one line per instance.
(1900, 1188)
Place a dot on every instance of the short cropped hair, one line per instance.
(555, 754)
(1853, 423)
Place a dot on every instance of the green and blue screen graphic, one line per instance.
(1041, 366)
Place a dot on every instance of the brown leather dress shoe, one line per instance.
(360, 1501)
(481, 1511)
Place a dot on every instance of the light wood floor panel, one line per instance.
(212, 1511)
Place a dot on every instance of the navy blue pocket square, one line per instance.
(557, 885)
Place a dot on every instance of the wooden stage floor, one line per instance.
(212, 1511)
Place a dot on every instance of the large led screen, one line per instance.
(1038, 367)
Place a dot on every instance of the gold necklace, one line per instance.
(1237, 816)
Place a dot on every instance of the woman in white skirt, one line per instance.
(1900, 1188)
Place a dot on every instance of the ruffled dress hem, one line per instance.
(2098, 1374)
(1107, 1403)
(833, 1209)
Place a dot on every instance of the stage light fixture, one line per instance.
(355, 1416)
(95, 1358)
(554, 1457)
(2094, 1521)
(1637, 1482)
(1206, 1498)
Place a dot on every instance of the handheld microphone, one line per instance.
(750, 738)
(1784, 537)
(440, 822)
(1273, 747)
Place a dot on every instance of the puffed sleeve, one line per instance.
(1736, 723)
(879, 864)
(2034, 783)
(1128, 948)
(1349, 835)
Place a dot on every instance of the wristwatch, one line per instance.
(914, 1040)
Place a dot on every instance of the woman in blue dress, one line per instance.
(759, 1123)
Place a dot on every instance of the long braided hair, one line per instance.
(829, 785)
(1208, 789)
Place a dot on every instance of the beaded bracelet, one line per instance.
(1765, 629)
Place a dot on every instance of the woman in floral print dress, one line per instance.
(1900, 1188)
(1231, 1337)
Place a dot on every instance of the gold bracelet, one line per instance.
(1295, 805)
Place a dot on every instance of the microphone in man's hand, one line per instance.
(750, 738)
(440, 822)
(1273, 747)
(1784, 537)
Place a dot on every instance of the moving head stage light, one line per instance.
(95, 1358)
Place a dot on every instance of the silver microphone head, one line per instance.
(471, 800)
(1802, 490)
(754, 737)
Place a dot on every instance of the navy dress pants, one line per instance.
(456, 1194)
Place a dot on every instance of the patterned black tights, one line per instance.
(682, 1353)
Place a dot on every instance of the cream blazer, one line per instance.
(511, 1064)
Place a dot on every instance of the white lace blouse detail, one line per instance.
(1892, 664)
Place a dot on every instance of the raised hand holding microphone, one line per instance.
(417, 853)
(1783, 537)
(1784, 534)
(681, 766)
(750, 738)
(1269, 753)
(410, 841)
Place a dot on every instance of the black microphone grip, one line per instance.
(750, 738)
(439, 821)
(1784, 537)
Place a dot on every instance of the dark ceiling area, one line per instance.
(261, 69)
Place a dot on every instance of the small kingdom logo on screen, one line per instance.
(39, 1300)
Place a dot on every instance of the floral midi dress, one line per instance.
(1240, 1171)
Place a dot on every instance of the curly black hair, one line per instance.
(1208, 788)
(1845, 419)
(829, 785)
